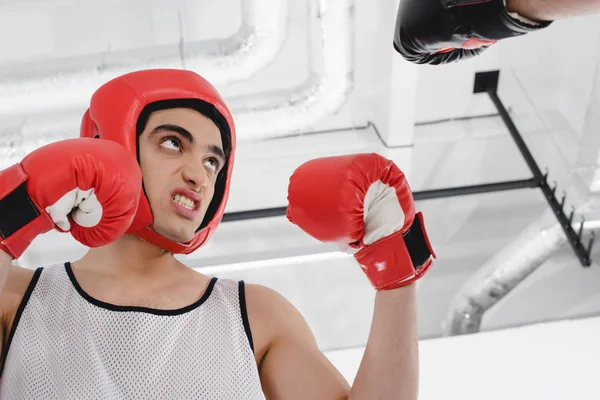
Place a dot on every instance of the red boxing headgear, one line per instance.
(119, 110)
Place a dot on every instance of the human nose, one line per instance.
(195, 175)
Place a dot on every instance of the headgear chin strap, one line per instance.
(121, 106)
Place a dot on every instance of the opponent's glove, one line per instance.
(363, 204)
(88, 187)
(443, 31)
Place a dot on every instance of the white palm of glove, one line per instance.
(82, 205)
(383, 215)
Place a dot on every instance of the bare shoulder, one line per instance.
(272, 317)
(269, 307)
(262, 298)
(291, 365)
(16, 285)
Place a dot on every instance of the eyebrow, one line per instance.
(216, 150)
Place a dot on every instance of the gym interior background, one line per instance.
(315, 78)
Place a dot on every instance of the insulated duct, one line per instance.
(331, 81)
(523, 255)
(254, 46)
(275, 115)
(506, 271)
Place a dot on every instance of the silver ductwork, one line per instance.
(505, 271)
(257, 117)
(331, 80)
(63, 87)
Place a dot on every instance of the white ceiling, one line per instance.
(320, 90)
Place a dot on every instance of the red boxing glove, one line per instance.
(363, 204)
(89, 187)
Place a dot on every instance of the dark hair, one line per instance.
(209, 111)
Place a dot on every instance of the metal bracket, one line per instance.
(485, 82)
(488, 82)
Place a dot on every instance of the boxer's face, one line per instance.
(181, 154)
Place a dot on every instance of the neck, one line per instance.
(129, 256)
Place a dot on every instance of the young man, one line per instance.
(148, 179)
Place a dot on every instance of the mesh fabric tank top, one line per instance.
(65, 344)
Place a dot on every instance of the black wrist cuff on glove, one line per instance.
(417, 243)
(16, 211)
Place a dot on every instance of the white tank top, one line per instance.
(65, 344)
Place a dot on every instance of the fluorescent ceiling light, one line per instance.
(272, 263)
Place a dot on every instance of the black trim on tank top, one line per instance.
(22, 305)
(244, 311)
(155, 311)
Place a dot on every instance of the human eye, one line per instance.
(214, 163)
(171, 143)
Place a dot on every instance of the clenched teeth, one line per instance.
(184, 201)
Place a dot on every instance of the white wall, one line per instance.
(553, 361)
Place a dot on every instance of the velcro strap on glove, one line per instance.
(20, 219)
(398, 259)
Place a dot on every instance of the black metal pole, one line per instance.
(549, 193)
(475, 189)
(514, 132)
(422, 195)
(254, 214)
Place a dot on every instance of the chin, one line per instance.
(175, 233)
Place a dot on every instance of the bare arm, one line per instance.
(295, 368)
(5, 264)
(390, 364)
(13, 285)
(551, 10)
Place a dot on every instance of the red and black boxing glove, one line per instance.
(443, 31)
(88, 187)
(364, 205)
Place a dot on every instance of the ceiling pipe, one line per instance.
(257, 117)
(496, 279)
(327, 89)
(253, 47)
